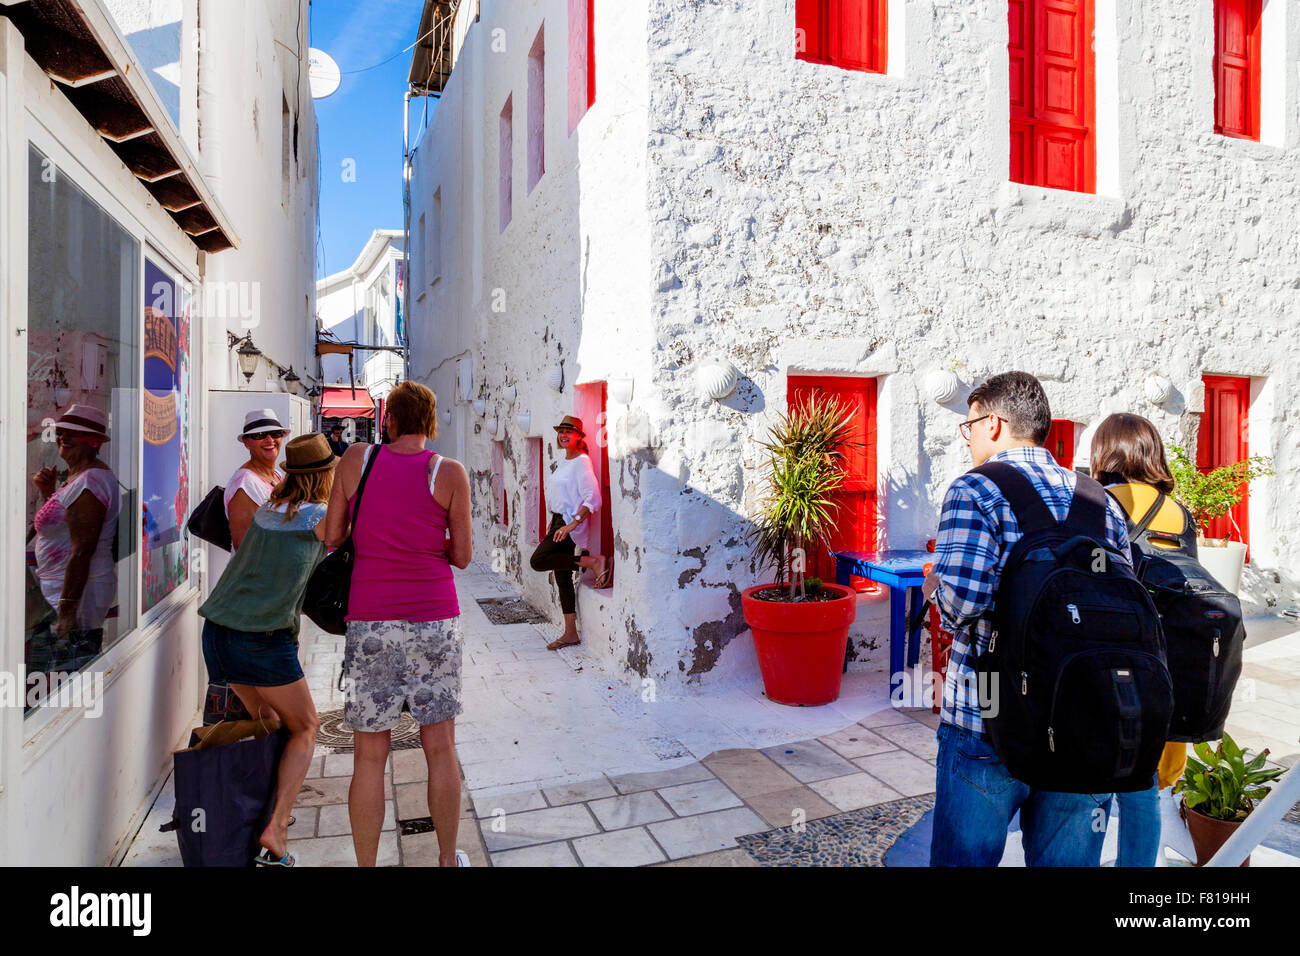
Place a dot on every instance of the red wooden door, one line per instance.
(1223, 440)
(589, 405)
(1052, 89)
(855, 516)
(1060, 442)
(1237, 68)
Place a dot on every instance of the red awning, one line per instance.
(341, 403)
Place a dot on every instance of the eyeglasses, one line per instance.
(965, 426)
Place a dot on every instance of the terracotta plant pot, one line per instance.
(801, 646)
(1209, 834)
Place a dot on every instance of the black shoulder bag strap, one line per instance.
(1088, 509)
(361, 487)
(1032, 513)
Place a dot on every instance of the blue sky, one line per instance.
(362, 122)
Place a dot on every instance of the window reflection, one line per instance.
(81, 427)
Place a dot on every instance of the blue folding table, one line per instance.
(904, 573)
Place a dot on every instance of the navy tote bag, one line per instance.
(225, 789)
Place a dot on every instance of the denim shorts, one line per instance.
(267, 659)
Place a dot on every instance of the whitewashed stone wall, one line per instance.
(803, 218)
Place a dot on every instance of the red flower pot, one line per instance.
(1209, 834)
(801, 646)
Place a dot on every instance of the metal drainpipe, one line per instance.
(406, 232)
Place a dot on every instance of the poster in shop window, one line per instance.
(165, 431)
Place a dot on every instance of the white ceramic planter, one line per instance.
(1223, 563)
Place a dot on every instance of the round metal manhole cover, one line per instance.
(337, 735)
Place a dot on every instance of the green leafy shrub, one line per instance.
(1214, 494)
(1225, 782)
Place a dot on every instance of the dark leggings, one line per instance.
(559, 557)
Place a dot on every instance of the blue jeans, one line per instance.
(1139, 827)
(977, 798)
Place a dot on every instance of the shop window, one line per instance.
(500, 506)
(505, 190)
(1223, 439)
(1052, 84)
(535, 515)
(165, 429)
(851, 34)
(1060, 442)
(1237, 71)
(83, 275)
(855, 502)
(537, 110)
(582, 60)
(589, 403)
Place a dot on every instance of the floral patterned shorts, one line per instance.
(391, 666)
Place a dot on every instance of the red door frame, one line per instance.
(1223, 439)
(1248, 61)
(859, 534)
(589, 404)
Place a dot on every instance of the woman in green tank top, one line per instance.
(250, 637)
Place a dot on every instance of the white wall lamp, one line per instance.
(555, 377)
(491, 425)
(1157, 388)
(942, 385)
(446, 416)
(509, 393)
(525, 422)
(716, 379)
(620, 390)
(480, 407)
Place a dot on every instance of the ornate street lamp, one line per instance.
(249, 354)
(292, 382)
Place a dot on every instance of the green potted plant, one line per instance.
(1212, 495)
(800, 625)
(1219, 791)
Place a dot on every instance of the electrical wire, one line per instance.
(391, 58)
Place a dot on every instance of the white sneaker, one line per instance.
(462, 858)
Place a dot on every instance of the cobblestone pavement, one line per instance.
(565, 764)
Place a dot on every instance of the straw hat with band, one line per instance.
(86, 420)
(259, 422)
(308, 454)
(572, 424)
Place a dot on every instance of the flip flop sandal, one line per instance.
(557, 644)
(265, 859)
(604, 580)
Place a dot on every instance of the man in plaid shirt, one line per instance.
(976, 797)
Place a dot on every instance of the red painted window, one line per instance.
(1236, 68)
(856, 500)
(1060, 442)
(536, 515)
(589, 405)
(852, 34)
(1222, 440)
(1053, 94)
(582, 59)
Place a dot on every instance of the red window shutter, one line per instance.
(851, 34)
(810, 31)
(855, 517)
(1051, 84)
(1237, 68)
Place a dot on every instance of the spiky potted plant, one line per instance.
(1219, 791)
(800, 625)
(1212, 495)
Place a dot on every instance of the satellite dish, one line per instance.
(323, 73)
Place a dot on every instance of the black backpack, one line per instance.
(1074, 689)
(1202, 623)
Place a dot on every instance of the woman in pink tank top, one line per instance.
(410, 524)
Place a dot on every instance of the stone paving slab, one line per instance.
(631, 847)
(809, 760)
(690, 836)
(537, 826)
(631, 810)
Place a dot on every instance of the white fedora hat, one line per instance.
(86, 419)
(259, 422)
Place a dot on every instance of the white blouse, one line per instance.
(571, 487)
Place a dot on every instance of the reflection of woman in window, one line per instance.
(74, 540)
(573, 497)
(250, 486)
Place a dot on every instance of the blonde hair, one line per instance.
(414, 410)
(299, 489)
